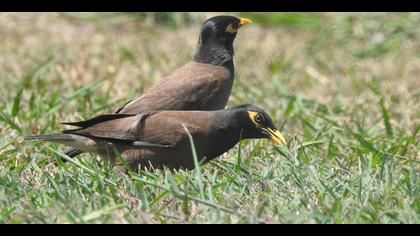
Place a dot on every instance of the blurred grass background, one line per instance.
(343, 87)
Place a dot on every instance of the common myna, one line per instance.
(205, 83)
(160, 139)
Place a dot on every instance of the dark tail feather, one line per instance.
(72, 152)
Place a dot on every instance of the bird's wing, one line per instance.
(127, 130)
(188, 88)
(114, 127)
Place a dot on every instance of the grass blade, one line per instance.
(16, 104)
(98, 213)
(5, 118)
(196, 163)
(385, 116)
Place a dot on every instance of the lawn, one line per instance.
(343, 88)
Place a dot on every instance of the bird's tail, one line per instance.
(59, 138)
(73, 152)
(75, 141)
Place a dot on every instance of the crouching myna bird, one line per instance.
(205, 83)
(160, 139)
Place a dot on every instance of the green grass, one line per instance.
(343, 88)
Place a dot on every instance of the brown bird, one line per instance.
(160, 139)
(205, 83)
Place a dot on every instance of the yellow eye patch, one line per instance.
(231, 29)
(252, 116)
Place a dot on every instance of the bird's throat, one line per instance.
(215, 55)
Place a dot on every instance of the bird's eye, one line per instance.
(259, 119)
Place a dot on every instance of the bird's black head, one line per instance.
(215, 44)
(257, 123)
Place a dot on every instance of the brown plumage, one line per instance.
(195, 86)
(202, 84)
(159, 139)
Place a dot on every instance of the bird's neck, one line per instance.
(227, 140)
(225, 127)
(215, 54)
(230, 132)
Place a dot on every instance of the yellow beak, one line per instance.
(244, 21)
(276, 137)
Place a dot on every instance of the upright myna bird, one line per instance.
(205, 83)
(160, 139)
